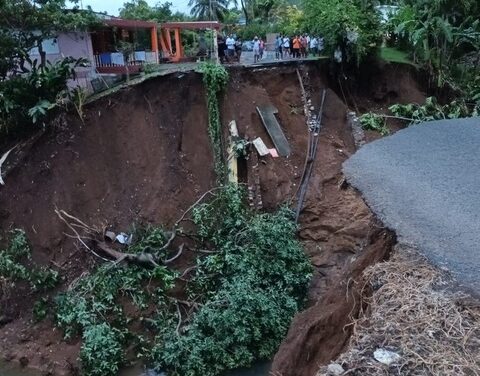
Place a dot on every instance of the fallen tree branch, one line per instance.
(2, 160)
(137, 258)
(180, 250)
(77, 235)
(179, 318)
(196, 203)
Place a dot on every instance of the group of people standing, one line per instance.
(298, 46)
(229, 48)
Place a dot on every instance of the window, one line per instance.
(50, 46)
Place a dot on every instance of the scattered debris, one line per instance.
(123, 238)
(254, 189)
(309, 158)
(335, 369)
(386, 357)
(232, 153)
(436, 330)
(273, 153)
(267, 114)
(110, 235)
(356, 128)
(261, 147)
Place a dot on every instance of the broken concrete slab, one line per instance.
(267, 114)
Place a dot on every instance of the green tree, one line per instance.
(140, 10)
(351, 25)
(439, 31)
(209, 9)
(26, 24)
(30, 88)
(289, 19)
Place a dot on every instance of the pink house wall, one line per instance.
(74, 44)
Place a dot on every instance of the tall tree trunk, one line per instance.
(244, 9)
(42, 53)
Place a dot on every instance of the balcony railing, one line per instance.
(116, 59)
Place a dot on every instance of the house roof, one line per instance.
(120, 22)
(196, 25)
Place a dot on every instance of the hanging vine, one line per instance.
(215, 78)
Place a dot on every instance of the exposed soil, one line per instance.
(338, 230)
(143, 155)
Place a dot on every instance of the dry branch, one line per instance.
(413, 313)
(2, 160)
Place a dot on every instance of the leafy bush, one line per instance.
(415, 113)
(18, 248)
(101, 352)
(150, 238)
(44, 279)
(241, 297)
(438, 33)
(351, 25)
(432, 110)
(29, 97)
(255, 29)
(249, 290)
(374, 122)
(92, 307)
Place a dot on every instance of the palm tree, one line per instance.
(208, 9)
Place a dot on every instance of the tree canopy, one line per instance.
(141, 10)
(351, 25)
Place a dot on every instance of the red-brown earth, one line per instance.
(143, 156)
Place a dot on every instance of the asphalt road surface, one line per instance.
(424, 183)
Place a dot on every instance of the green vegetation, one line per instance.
(394, 55)
(215, 78)
(249, 279)
(15, 260)
(374, 122)
(28, 98)
(31, 87)
(141, 10)
(438, 33)
(432, 110)
(414, 113)
(350, 25)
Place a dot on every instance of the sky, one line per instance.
(112, 6)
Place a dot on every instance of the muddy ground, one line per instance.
(143, 155)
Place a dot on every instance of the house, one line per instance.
(100, 47)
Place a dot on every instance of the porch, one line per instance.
(107, 41)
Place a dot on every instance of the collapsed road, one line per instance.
(423, 183)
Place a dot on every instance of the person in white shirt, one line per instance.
(313, 46)
(286, 47)
(256, 50)
(230, 42)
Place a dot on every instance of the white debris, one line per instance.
(4, 157)
(386, 357)
(260, 146)
(335, 369)
(123, 238)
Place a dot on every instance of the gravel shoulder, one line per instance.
(423, 182)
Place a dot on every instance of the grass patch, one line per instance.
(393, 55)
